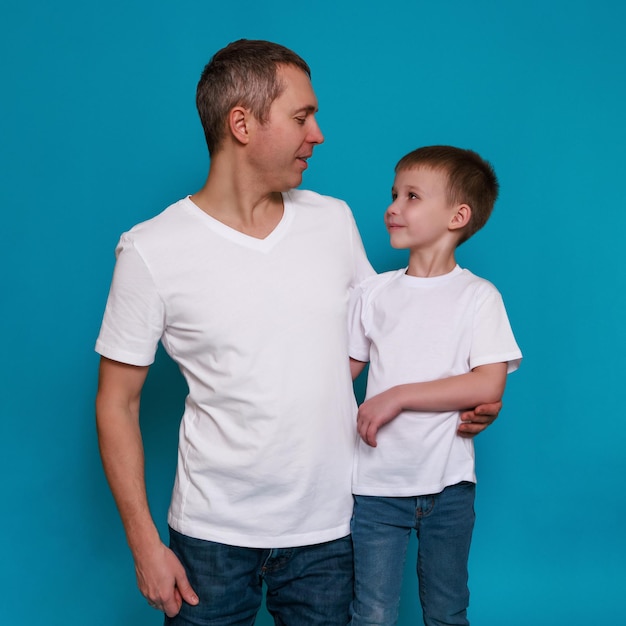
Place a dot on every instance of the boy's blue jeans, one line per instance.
(381, 528)
(306, 586)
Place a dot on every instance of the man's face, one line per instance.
(280, 147)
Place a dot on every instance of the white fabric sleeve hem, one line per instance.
(122, 356)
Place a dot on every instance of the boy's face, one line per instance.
(420, 214)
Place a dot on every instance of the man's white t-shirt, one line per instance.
(259, 331)
(412, 330)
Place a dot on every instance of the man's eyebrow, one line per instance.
(309, 108)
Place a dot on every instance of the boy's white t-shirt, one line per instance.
(411, 330)
(258, 328)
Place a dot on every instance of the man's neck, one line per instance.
(227, 198)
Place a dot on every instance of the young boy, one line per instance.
(438, 340)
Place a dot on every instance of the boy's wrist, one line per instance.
(401, 398)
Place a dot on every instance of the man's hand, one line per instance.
(376, 412)
(474, 422)
(162, 580)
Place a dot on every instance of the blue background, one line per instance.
(98, 131)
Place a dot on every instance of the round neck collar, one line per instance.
(430, 281)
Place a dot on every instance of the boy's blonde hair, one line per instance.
(471, 180)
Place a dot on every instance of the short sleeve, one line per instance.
(359, 343)
(493, 340)
(134, 318)
(362, 267)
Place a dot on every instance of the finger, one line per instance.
(361, 426)
(470, 429)
(364, 433)
(184, 588)
(474, 418)
(492, 409)
(359, 429)
(172, 607)
(371, 435)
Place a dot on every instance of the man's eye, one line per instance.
(301, 120)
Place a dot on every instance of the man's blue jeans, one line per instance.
(306, 586)
(381, 528)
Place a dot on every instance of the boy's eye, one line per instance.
(394, 196)
(412, 196)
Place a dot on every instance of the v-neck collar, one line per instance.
(261, 245)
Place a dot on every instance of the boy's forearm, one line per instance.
(482, 385)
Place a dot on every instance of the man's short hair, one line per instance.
(244, 73)
(471, 180)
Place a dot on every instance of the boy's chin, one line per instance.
(397, 246)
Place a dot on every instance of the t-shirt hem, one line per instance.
(389, 491)
(261, 541)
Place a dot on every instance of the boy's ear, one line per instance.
(238, 120)
(461, 217)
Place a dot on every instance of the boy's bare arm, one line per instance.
(356, 367)
(160, 576)
(482, 386)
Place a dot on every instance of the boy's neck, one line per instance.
(427, 264)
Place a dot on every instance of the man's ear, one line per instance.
(238, 120)
(461, 217)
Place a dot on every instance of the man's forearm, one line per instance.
(121, 449)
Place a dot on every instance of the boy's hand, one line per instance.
(376, 412)
(475, 421)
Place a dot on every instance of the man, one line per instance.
(246, 285)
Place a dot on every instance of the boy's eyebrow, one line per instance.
(409, 187)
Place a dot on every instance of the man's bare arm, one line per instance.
(474, 421)
(160, 576)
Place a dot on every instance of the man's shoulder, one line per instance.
(168, 219)
(306, 197)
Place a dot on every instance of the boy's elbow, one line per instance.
(494, 383)
(494, 397)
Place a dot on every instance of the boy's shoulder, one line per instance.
(458, 281)
(368, 289)
(379, 280)
(478, 281)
